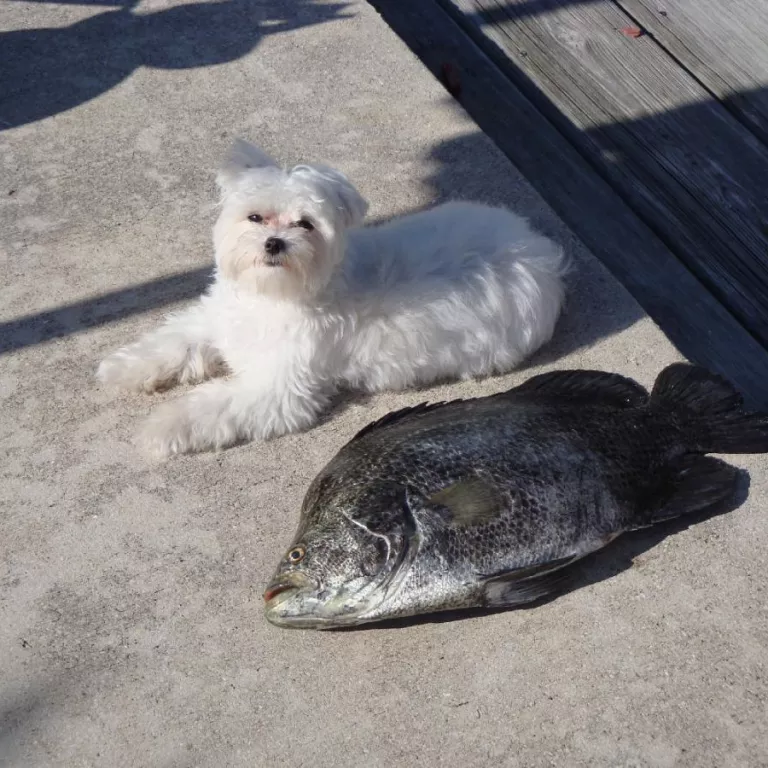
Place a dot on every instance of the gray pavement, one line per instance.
(131, 631)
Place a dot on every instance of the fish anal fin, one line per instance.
(694, 484)
(526, 585)
(586, 387)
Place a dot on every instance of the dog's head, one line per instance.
(281, 232)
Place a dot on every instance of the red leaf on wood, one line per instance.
(631, 31)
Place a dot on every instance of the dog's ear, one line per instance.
(353, 205)
(350, 205)
(243, 156)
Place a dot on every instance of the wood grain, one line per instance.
(696, 323)
(723, 43)
(688, 167)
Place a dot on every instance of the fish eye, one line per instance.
(305, 224)
(256, 218)
(296, 555)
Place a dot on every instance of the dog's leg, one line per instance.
(221, 413)
(178, 352)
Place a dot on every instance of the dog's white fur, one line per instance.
(460, 290)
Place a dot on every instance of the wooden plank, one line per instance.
(687, 166)
(723, 43)
(694, 321)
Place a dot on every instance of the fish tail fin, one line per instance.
(694, 484)
(713, 409)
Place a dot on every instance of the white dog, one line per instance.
(302, 305)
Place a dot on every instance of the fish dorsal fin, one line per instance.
(573, 386)
(471, 502)
(586, 387)
(395, 416)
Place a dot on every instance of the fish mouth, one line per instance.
(312, 615)
(273, 590)
(286, 586)
(293, 600)
(299, 622)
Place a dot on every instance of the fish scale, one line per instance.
(489, 502)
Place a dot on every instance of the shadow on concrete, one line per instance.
(72, 318)
(49, 70)
(21, 715)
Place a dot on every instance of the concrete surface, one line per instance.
(131, 630)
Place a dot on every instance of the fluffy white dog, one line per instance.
(305, 303)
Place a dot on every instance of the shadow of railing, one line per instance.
(110, 307)
(49, 70)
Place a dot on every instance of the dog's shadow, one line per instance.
(616, 558)
(595, 308)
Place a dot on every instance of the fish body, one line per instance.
(487, 502)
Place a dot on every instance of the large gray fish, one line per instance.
(488, 502)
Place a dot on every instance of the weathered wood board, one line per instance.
(689, 168)
(724, 44)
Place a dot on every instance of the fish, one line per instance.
(489, 502)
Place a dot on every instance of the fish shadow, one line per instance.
(604, 564)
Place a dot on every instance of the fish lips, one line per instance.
(293, 621)
(293, 601)
(286, 585)
(286, 598)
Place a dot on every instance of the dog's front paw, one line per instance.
(187, 425)
(127, 370)
(168, 431)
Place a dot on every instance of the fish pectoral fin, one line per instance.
(586, 387)
(526, 585)
(470, 502)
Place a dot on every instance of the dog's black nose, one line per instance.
(274, 245)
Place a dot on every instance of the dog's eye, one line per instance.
(305, 224)
(255, 218)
